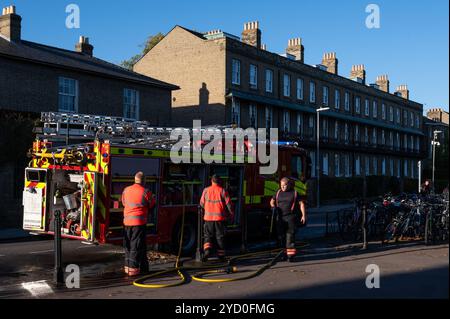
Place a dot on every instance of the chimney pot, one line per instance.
(251, 34)
(296, 49)
(84, 47)
(10, 24)
(330, 61)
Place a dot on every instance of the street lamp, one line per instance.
(318, 156)
(435, 143)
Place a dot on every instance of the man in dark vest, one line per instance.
(285, 202)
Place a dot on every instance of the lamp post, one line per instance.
(318, 155)
(435, 143)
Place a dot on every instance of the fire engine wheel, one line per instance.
(189, 237)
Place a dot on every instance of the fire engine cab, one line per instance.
(80, 164)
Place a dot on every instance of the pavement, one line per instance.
(316, 225)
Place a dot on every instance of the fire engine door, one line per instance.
(88, 205)
(232, 177)
(35, 199)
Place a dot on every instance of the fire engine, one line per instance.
(80, 165)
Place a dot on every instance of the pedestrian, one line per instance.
(215, 202)
(136, 200)
(426, 188)
(285, 203)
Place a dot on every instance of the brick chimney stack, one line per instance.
(10, 24)
(402, 90)
(358, 73)
(383, 83)
(331, 62)
(252, 34)
(84, 47)
(296, 49)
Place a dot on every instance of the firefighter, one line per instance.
(284, 201)
(137, 200)
(215, 201)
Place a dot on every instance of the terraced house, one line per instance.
(225, 79)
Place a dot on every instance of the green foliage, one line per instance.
(147, 46)
(16, 136)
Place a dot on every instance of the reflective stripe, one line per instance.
(135, 217)
(293, 204)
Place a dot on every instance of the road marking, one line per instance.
(37, 288)
(42, 251)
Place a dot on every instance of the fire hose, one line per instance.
(208, 269)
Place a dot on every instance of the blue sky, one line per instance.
(411, 45)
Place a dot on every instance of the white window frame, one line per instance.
(324, 127)
(375, 165)
(69, 91)
(127, 113)
(325, 164)
(346, 133)
(357, 165)
(405, 141)
(397, 111)
(399, 169)
(417, 143)
(347, 101)
(366, 107)
(375, 109)
(236, 112)
(236, 72)
(383, 111)
(383, 137)
(391, 139)
(391, 167)
(286, 121)
(405, 168)
(411, 118)
(367, 165)
(299, 124)
(337, 170)
(383, 166)
(337, 99)
(391, 114)
(347, 165)
(336, 129)
(269, 81)
(286, 85)
(374, 136)
(417, 121)
(300, 89)
(358, 105)
(253, 115)
(312, 92)
(325, 95)
(366, 135)
(253, 76)
(357, 137)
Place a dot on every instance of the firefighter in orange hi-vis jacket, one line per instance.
(215, 202)
(136, 200)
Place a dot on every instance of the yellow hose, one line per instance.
(226, 267)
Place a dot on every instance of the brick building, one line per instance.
(35, 77)
(224, 79)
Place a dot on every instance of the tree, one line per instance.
(147, 46)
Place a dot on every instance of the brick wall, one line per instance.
(31, 87)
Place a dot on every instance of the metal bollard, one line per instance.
(58, 274)
(198, 253)
(364, 224)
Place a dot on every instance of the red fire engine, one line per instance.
(85, 181)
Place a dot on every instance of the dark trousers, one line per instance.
(286, 233)
(134, 242)
(214, 230)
